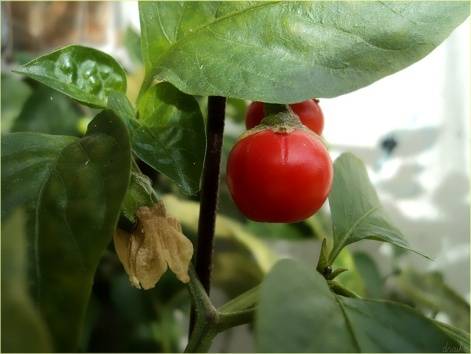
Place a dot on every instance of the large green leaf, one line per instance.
(169, 134)
(298, 313)
(48, 111)
(458, 335)
(20, 319)
(288, 51)
(27, 159)
(85, 74)
(74, 188)
(356, 211)
(163, 24)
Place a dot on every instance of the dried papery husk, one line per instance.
(157, 244)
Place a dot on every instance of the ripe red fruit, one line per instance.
(308, 112)
(279, 176)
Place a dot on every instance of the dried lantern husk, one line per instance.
(157, 244)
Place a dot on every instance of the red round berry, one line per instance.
(279, 176)
(308, 112)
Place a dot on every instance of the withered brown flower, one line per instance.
(157, 243)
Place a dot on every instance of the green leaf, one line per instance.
(429, 292)
(20, 319)
(85, 74)
(356, 211)
(350, 279)
(460, 336)
(370, 274)
(132, 43)
(288, 51)
(74, 188)
(27, 159)
(162, 24)
(169, 134)
(298, 313)
(14, 94)
(48, 111)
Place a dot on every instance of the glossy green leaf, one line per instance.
(288, 51)
(169, 134)
(356, 211)
(85, 74)
(75, 188)
(20, 318)
(48, 111)
(298, 313)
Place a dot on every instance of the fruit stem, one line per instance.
(209, 193)
(273, 108)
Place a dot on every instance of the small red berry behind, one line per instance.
(279, 176)
(255, 114)
(309, 112)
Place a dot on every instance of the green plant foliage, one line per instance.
(14, 94)
(298, 313)
(74, 188)
(85, 74)
(264, 50)
(132, 43)
(68, 180)
(429, 292)
(460, 336)
(20, 319)
(350, 279)
(369, 273)
(169, 134)
(279, 231)
(27, 159)
(48, 111)
(356, 211)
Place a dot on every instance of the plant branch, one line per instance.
(234, 319)
(274, 108)
(209, 194)
(210, 189)
(209, 321)
(340, 290)
(205, 316)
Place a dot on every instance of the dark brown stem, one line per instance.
(209, 192)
